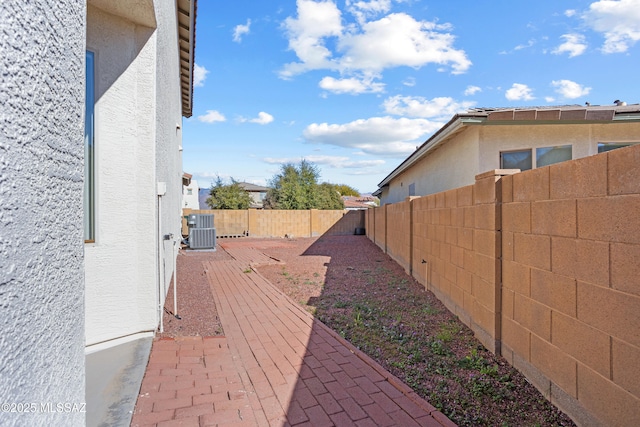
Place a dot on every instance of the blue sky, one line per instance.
(355, 86)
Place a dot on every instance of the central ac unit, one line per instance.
(202, 234)
(201, 221)
(202, 238)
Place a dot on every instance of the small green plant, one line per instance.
(448, 331)
(341, 304)
(357, 319)
(473, 361)
(430, 311)
(481, 386)
(247, 270)
(438, 347)
(491, 371)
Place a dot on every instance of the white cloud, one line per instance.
(377, 135)
(409, 81)
(315, 21)
(368, 47)
(199, 75)
(574, 44)
(472, 90)
(241, 30)
(351, 85)
(519, 92)
(367, 9)
(441, 108)
(529, 44)
(262, 119)
(324, 160)
(618, 21)
(399, 40)
(340, 162)
(212, 116)
(363, 164)
(569, 89)
(570, 13)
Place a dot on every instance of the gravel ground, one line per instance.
(348, 283)
(196, 306)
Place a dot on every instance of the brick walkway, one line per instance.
(276, 366)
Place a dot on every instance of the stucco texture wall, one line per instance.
(584, 138)
(168, 131)
(477, 149)
(121, 265)
(41, 231)
(451, 165)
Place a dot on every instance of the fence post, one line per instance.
(252, 219)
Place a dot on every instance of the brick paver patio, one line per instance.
(276, 366)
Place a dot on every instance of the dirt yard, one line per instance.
(348, 283)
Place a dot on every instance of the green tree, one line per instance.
(329, 197)
(296, 187)
(346, 190)
(229, 196)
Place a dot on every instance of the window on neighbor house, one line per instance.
(545, 156)
(603, 147)
(412, 190)
(549, 155)
(89, 149)
(189, 192)
(521, 159)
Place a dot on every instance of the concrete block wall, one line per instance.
(380, 227)
(456, 253)
(544, 266)
(369, 223)
(280, 223)
(571, 285)
(398, 240)
(336, 223)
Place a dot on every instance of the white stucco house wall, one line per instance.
(42, 49)
(143, 55)
(92, 97)
(190, 191)
(508, 138)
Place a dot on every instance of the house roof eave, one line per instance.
(187, 10)
(455, 125)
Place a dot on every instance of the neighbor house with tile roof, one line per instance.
(522, 138)
(257, 193)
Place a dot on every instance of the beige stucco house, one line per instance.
(257, 193)
(508, 138)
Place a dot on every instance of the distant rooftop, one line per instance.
(252, 187)
(556, 112)
(619, 111)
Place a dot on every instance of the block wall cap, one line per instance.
(497, 172)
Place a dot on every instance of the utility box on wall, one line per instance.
(202, 234)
